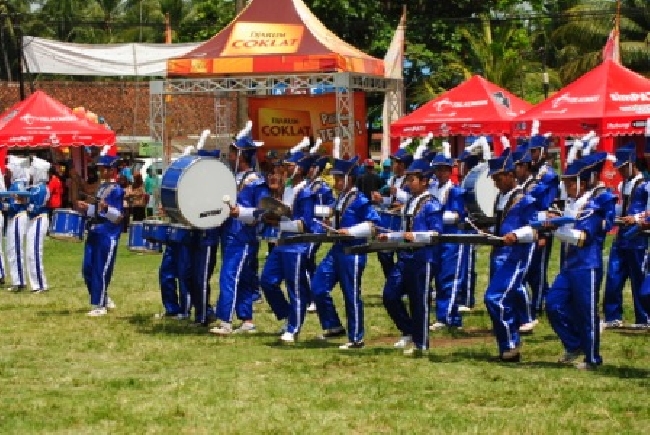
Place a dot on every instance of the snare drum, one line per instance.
(155, 230)
(480, 191)
(181, 234)
(137, 243)
(67, 225)
(192, 191)
(390, 221)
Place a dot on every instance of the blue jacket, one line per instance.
(635, 202)
(323, 195)
(519, 212)
(302, 212)
(100, 223)
(37, 200)
(252, 188)
(424, 215)
(352, 208)
(11, 206)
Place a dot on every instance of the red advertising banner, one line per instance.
(281, 122)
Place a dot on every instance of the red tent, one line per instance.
(610, 99)
(42, 121)
(474, 107)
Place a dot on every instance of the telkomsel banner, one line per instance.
(283, 121)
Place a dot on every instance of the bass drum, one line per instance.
(192, 191)
(480, 191)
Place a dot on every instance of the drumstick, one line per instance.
(226, 200)
(329, 228)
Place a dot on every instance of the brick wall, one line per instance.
(125, 105)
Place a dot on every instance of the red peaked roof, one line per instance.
(279, 36)
(41, 120)
(610, 99)
(476, 106)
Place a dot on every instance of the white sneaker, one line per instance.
(110, 304)
(528, 327)
(224, 329)
(612, 324)
(311, 308)
(246, 328)
(96, 312)
(464, 309)
(414, 352)
(437, 326)
(404, 341)
(288, 338)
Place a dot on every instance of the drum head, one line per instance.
(485, 191)
(200, 192)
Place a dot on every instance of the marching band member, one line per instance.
(422, 217)
(353, 215)
(514, 211)
(104, 229)
(16, 208)
(628, 251)
(37, 212)
(3, 273)
(238, 278)
(572, 301)
(395, 195)
(289, 262)
(449, 280)
(543, 185)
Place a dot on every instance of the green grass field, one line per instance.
(63, 372)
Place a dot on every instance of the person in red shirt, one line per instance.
(56, 190)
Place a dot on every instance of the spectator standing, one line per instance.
(386, 172)
(123, 182)
(151, 186)
(55, 188)
(136, 197)
(369, 182)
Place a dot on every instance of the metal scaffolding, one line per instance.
(342, 84)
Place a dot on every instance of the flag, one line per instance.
(393, 69)
(611, 49)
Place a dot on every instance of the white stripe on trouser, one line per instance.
(454, 287)
(234, 292)
(296, 291)
(204, 290)
(542, 279)
(34, 246)
(470, 267)
(16, 229)
(3, 273)
(356, 302)
(425, 302)
(529, 307)
(592, 313)
(107, 264)
(501, 309)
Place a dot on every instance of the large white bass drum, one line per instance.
(481, 192)
(192, 191)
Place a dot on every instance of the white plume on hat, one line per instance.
(105, 150)
(336, 148)
(534, 129)
(611, 158)
(188, 150)
(573, 151)
(482, 144)
(204, 137)
(446, 149)
(419, 151)
(316, 146)
(505, 142)
(39, 170)
(245, 131)
(406, 143)
(304, 143)
(589, 142)
(426, 139)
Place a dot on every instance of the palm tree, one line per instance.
(583, 36)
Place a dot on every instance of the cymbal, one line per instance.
(276, 207)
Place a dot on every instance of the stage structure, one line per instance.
(281, 49)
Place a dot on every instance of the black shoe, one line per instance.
(353, 345)
(332, 333)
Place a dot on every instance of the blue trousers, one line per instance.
(624, 264)
(204, 259)
(644, 293)
(411, 278)
(176, 279)
(292, 268)
(98, 262)
(338, 267)
(238, 282)
(311, 268)
(468, 290)
(572, 309)
(387, 262)
(449, 281)
(537, 276)
(504, 303)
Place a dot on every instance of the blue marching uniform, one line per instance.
(38, 224)
(572, 301)
(104, 229)
(204, 259)
(414, 271)
(627, 255)
(176, 279)
(324, 200)
(450, 279)
(16, 215)
(466, 296)
(352, 211)
(238, 279)
(290, 263)
(544, 187)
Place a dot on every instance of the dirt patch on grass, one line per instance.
(444, 338)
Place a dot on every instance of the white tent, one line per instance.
(54, 57)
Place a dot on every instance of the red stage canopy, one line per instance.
(610, 99)
(40, 120)
(474, 107)
(269, 37)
